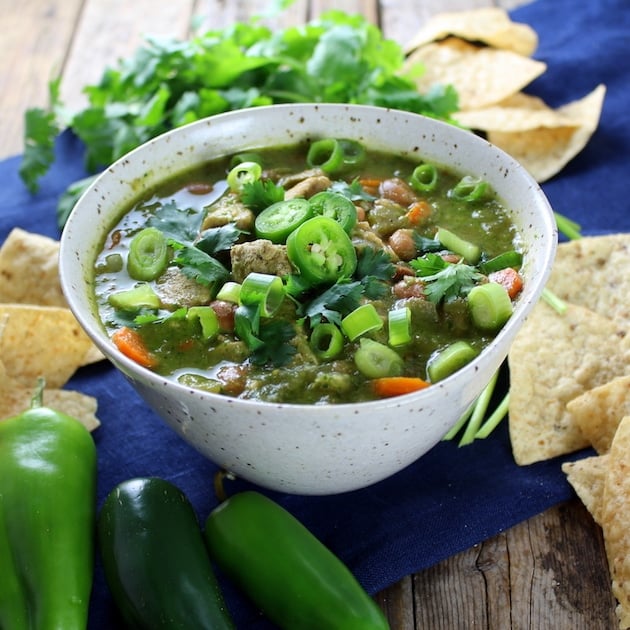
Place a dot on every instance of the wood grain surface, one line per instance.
(548, 572)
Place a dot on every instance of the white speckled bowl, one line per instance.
(299, 448)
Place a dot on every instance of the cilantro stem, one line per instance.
(479, 411)
(494, 419)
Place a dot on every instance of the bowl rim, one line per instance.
(91, 325)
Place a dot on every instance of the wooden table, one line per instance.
(548, 572)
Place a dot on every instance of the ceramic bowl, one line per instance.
(307, 449)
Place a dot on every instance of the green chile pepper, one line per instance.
(286, 571)
(155, 560)
(47, 513)
(322, 251)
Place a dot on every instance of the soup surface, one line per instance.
(320, 273)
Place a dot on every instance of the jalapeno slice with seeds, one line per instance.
(322, 251)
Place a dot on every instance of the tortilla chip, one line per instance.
(489, 25)
(553, 359)
(587, 477)
(602, 264)
(546, 150)
(29, 272)
(44, 341)
(482, 76)
(598, 412)
(614, 513)
(73, 403)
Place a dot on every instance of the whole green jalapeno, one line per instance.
(285, 570)
(47, 512)
(155, 561)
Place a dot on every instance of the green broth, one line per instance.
(291, 372)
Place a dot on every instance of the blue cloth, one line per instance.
(453, 497)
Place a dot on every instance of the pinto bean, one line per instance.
(403, 245)
(398, 190)
(233, 379)
(408, 288)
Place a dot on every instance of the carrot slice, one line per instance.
(130, 343)
(510, 279)
(418, 211)
(398, 385)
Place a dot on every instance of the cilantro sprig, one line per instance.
(167, 83)
(443, 280)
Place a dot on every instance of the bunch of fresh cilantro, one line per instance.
(337, 58)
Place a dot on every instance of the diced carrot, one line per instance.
(509, 278)
(398, 385)
(418, 211)
(130, 343)
(370, 182)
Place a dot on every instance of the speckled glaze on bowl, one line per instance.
(299, 448)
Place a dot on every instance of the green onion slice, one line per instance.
(424, 177)
(264, 290)
(511, 259)
(447, 361)
(241, 158)
(362, 320)
(208, 319)
(353, 152)
(399, 324)
(376, 360)
(243, 173)
(490, 305)
(230, 292)
(470, 189)
(326, 154)
(148, 255)
(326, 341)
(469, 251)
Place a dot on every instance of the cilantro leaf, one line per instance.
(39, 146)
(375, 262)
(276, 347)
(331, 305)
(445, 281)
(177, 223)
(198, 265)
(218, 239)
(353, 190)
(260, 194)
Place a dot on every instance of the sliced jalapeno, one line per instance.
(277, 221)
(321, 251)
(335, 206)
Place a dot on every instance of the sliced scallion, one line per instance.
(469, 251)
(208, 319)
(243, 173)
(490, 305)
(376, 360)
(326, 154)
(362, 320)
(424, 177)
(264, 290)
(148, 254)
(326, 341)
(470, 189)
(230, 292)
(511, 258)
(399, 326)
(449, 360)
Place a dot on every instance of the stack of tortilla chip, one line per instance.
(488, 59)
(39, 335)
(570, 388)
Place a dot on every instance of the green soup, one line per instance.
(320, 273)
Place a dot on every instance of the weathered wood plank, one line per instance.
(33, 46)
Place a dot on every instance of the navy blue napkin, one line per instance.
(453, 497)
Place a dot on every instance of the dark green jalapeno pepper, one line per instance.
(47, 510)
(155, 560)
(335, 206)
(322, 251)
(286, 571)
